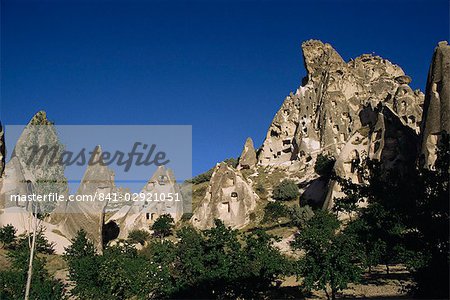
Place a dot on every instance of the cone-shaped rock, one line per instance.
(229, 198)
(162, 196)
(248, 156)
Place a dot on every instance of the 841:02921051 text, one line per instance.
(136, 197)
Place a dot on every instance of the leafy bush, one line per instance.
(138, 236)
(300, 215)
(324, 165)
(163, 226)
(13, 280)
(260, 189)
(274, 211)
(331, 257)
(286, 190)
(7, 235)
(42, 244)
(214, 263)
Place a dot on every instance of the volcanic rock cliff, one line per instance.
(328, 108)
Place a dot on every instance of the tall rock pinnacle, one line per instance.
(437, 104)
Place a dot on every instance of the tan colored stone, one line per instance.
(229, 197)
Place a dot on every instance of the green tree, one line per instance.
(42, 244)
(331, 257)
(324, 165)
(138, 236)
(300, 215)
(286, 190)
(163, 225)
(7, 236)
(13, 280)
(406, 220)
(264, 264)
(84, 267)
(274, 211)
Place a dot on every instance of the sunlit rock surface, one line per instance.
(229, 197)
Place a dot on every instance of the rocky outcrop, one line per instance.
(2, 150)
(31, 168)
(87, 211)
(2, 163)
(162, 196)
(437, 105)
(248, 159)
(229, 197)
(324, 112)
(385, 139)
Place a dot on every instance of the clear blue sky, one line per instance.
(224, 67)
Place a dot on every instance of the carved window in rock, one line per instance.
(162, 179)
(226, 206)
(150, 216)
(274, 133)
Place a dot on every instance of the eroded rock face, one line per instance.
(31, 168)
(2, 162)
(437, 104)
(142, 214)
(385, 139)
(325, 111)
(2, 150)
(248, 159)
(229, 197)
(71, 216)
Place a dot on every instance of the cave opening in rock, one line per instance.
(110, 232)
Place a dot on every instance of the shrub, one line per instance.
(331, 259)
(42, 244)
(286, 190)
(7, 235)
(300, 215)
(138, 236)
(260, 189)
(163, 226)
(324, 165)
(274, 211)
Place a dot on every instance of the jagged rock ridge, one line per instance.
(325, 111)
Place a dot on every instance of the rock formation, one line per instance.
(34, 172)
(2, 150)
(2, 163)
(229, 197)
(162, 196)
(324, 112)
(88, 210)
(437, 104)
(248, 156)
